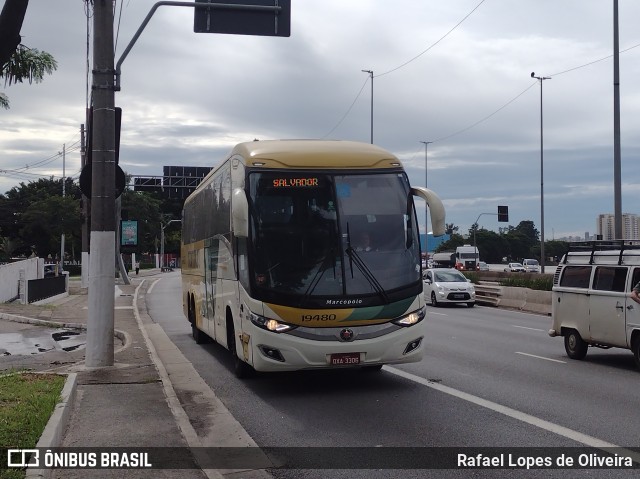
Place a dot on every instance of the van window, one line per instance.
(609, 278)
(576, 276)
(636, 278)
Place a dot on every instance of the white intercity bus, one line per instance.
(305, 254)
(591, 303)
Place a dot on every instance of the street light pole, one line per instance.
(370, 72)
(542, 259)
(426, 185)
(162, 242)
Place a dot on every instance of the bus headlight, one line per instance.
(270, 324)
(411, 318)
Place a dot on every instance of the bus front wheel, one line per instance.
(241, 369)
(574, 345)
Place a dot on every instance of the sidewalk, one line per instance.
(137, 403)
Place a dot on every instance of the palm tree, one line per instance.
(18, 62)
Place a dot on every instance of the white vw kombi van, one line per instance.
(591, 303)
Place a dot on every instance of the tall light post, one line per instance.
(542, 259)
(426, 185)
(162, 242)
(370, 72)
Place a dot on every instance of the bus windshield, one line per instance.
(318, 238)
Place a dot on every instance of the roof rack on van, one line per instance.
(591, 247)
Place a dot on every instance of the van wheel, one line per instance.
(471, 305)
(434, 301)
(635, 347)
(574, 345)
(241, 369)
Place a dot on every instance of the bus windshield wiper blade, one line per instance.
(354, 258)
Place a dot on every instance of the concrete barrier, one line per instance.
(523, 299)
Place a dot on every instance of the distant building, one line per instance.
(432, 241)
(605, 227)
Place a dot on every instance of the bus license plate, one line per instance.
(345, 359)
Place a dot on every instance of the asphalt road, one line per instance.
(490, 378)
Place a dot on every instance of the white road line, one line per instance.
(152, 285)
(429, 313)
(518, 415)
(541, 357)
(532, 329)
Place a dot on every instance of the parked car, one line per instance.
(515, 268)
(531, 265)
(448, 285)
(482, 266)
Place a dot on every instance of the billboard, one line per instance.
(129, 233)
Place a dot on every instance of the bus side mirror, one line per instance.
(240, 213)
(436, 208)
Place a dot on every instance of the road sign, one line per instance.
(243, 17)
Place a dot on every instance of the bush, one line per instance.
(542, 283)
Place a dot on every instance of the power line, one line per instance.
(435, 43)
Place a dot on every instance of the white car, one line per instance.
(514, 268)
(448, 285)
(531, 265)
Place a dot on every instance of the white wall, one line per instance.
(10, 276)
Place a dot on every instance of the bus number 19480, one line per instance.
(318, 317)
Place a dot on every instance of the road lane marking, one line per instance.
(152, 285)
(532, 329)
(520, 416)
(541, 357)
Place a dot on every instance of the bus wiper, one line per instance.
(354, 258)
(330, 256)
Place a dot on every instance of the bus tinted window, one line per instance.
(576, 276)
(609, 279)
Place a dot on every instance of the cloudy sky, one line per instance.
(455, 73)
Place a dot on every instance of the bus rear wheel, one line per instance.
(574, 345)
(198, 336)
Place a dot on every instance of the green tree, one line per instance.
(145, 208)
(451, 244)
(450, 228)
(44, 222)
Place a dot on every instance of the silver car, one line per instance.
(448, 285)
(514, 268)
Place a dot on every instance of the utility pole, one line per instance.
(100, 324)
(64, 153)
(426, 211)
(370, 72)
(617, 155)
(84, 259)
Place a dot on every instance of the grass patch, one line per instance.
(544, 283)
(26, 403)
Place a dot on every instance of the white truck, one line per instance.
(467, 258)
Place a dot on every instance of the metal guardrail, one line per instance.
(488, 294)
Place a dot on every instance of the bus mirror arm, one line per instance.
(436, 208)
(240, 213)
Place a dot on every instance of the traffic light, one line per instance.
(503, 214)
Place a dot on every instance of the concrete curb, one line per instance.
(57, 424)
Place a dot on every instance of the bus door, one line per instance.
(210, 274)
